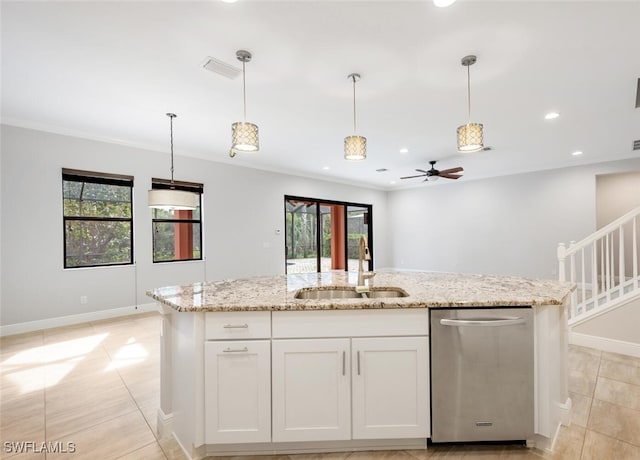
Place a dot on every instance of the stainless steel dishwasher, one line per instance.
(482, 374)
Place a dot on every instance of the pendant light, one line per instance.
(469, 135)
(244, 136)
(172, 198)
(355, 147)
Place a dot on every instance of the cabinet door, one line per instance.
(390, 387)
(237, 391)
(311, 390)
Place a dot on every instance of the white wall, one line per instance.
(242, 208)
(505, 225)
(620, 324)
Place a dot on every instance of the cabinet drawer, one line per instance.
(238, 325)
(350, 323)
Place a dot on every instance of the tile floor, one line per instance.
(96, 385)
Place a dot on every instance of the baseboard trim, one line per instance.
(164, 424)
(605, 344)
(69, 320)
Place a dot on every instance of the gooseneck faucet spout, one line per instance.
(363, 254)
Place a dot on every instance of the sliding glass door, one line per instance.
(323, 235)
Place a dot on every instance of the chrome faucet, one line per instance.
(363, 254)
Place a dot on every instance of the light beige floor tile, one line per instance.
(61, 334)
(150, 414)
(149, 452)
(22, 418)
(327, 456)
(71, 406)
(21, 380)
(616, 392)
(584, 360)
(623, 359)
(97, 367)
(581, 383)
(520, 453)
(581, 405)
(8, 452)
(109, 440)
(172, 449)
(620, 370)
(381, 455)
(569, 443)
(615, 421)
(473, 452)
(19, 342)
(440, 451)
(600, 447)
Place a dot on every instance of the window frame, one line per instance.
(193, 187)
(120, 180)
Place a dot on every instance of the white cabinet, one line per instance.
(390, 381)
(237, 377)
(311, 390)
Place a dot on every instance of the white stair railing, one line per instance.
(604, 267)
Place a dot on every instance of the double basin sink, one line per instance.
(349, 292)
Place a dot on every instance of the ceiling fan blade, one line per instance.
(451, 176)
(421, 170)
(411, 177)
(451, 170)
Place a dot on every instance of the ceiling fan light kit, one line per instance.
(355, 147)
(244, 135)
(172, 199)
(470, 135)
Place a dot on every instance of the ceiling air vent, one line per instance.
(636, 144)
(221, 68)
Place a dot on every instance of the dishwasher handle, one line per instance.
(505, 321)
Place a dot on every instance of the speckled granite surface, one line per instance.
(425, 289)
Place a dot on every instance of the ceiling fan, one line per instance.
(433, 172)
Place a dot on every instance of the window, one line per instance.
(177, 234)
(323, 235)
(98, 219)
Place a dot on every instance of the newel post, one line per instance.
(562, 254)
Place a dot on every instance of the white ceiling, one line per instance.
(111, 70)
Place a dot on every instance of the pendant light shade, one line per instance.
(470, 136)
(244, 135)
(171, 198)
(355, 147)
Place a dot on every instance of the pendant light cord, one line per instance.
(469, 92)
(354, 104)
(244, 94)
(171, 117)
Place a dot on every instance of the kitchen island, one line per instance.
(249, 367)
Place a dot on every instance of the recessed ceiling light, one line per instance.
(443, 3)
(229, 1)
(404, 150)
(577, 153)
(392, 182)
(326, 168)
(551, 116)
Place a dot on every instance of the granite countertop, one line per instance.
(425, 289)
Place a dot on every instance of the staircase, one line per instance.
(604, 267)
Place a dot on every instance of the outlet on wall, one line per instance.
(84, 300)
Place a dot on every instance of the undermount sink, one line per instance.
(349, 292)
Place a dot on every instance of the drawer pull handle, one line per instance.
(236, 326)
(235, 350)
(344, 362)
(358, 362)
